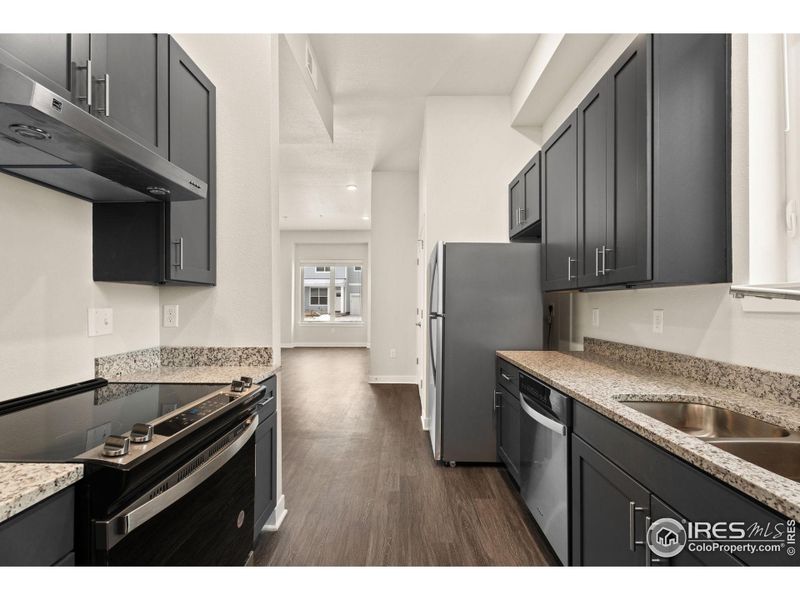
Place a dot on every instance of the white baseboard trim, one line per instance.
(277, 516)
(426, 423)
(326, 345)
(392, 379)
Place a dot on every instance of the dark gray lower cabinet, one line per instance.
(42, 535)
(266, 493)
(508, 430)
(613, 467)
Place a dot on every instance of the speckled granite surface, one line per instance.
(220, 375)
(151, 359)
(601, 382)
(24, 484)
(749, 380)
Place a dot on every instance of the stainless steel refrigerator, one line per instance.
(482, 298)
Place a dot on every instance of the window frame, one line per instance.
(329, 267)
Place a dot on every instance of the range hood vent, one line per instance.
(47, 139)
(770, 291)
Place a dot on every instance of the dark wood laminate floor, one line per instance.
(362, 487)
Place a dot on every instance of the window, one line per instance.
(331, 293)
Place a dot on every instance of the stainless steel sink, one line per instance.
(780, 457)
(708, 422)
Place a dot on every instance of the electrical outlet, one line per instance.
(170, 316)
(101, 321)
(393, 353)
(658, 320)
(596, 317)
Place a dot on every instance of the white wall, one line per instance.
(46, 270)
(706, 321)
(299, 246)
(394, 274)
(238, 310)
(471, 153)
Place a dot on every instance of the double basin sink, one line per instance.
(772, 447)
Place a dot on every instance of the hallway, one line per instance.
(362, 488)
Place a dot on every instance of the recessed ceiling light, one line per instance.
(351, 188)
(365, 218)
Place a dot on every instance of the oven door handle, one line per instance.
(136, 515)
(543, 420)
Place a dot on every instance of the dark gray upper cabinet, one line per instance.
(57, 61)
(524, 194)
(130, 75)
(560, 208)
(653, 168)
(593, 183)
(192, 126)
(172, 243)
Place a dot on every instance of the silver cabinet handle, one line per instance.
(137, 515)
(265, 402)
(632, 510)
(544, 421)
(596, 262)
(89, 82)
(504, 376)
(179, 244)
(604, 251)
(107, 108)
(498, 400)
(570, 260)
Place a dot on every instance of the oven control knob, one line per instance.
(237, 386)
(141, 433)
(116, 445)
(247, 381)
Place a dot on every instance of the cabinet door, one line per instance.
(130, 73)
(592, 183)
(560, 208)
(266, 472)
(531, 210)
(629, 226)
(516, 204)
(55, 60)
(508, 424)
(660, 510)
(192, 225)
(608, 511)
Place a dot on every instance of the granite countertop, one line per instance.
(24, 484)
(601, 383)
(204, 374)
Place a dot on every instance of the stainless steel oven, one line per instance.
(199, 513)
(544, 461)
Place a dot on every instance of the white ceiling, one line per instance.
(379, 83)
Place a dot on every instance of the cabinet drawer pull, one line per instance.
(570, 260)
(179, 244)
(632, 510)
(504, 376)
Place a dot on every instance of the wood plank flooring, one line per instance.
(362, 487)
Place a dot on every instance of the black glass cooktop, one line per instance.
(60, 429)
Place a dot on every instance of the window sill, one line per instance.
(331, 324)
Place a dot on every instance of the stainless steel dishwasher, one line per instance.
(544, 464)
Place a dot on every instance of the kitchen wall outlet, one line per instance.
(658, 320)
(170, 316)
(393, 353)
(101, 321)
(595, 317)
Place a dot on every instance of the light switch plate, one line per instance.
(101, 321)
(170, 316)
(393, 353)
(595, 317)
(658, 320)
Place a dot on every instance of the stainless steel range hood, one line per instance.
(47, 139)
